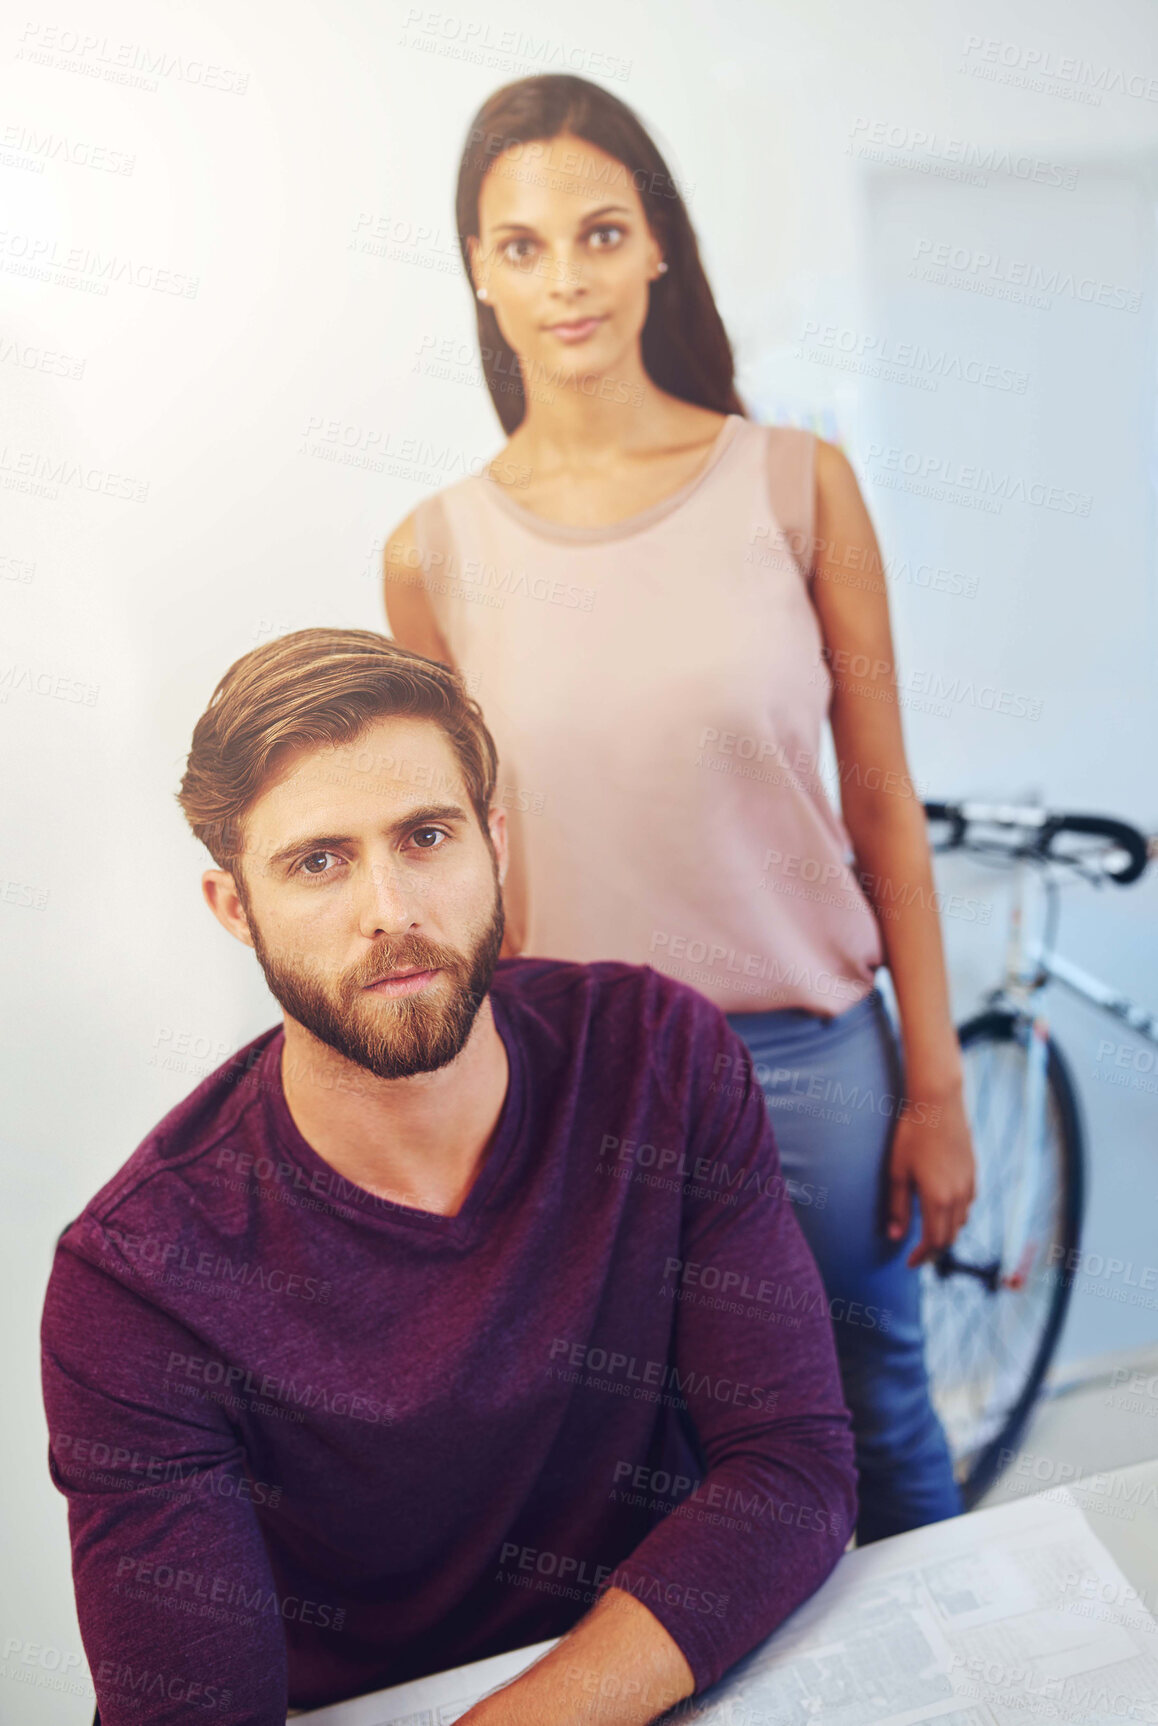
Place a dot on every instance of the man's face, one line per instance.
(371, 896)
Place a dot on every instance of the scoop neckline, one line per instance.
(626, 525)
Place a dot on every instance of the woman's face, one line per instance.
(566, 258)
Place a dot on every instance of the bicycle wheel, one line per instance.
(987, 1344)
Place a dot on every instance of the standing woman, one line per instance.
(658, 603)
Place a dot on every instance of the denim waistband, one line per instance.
(775, 1022)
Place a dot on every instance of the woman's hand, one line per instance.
(932, 1154)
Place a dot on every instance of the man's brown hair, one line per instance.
(318, 687)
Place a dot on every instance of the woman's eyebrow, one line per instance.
(600, 214)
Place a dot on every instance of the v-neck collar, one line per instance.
(327, 1188)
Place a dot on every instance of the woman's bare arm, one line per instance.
(886, 823)
(409, 613)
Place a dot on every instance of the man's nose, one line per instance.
(386, 903)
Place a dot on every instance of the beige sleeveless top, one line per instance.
(656, 691)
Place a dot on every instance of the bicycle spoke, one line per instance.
(983, 1344)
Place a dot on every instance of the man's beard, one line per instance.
(391, 1036)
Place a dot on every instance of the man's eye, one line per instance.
(315, 857)
(427, 838)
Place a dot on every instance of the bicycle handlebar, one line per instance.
(951, 813)
(960, 816)
(1127, 838)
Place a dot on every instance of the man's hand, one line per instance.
(617, 1667)
(932, 1153)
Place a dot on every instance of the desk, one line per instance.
(992, 1616)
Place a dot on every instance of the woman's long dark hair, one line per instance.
(684, 344)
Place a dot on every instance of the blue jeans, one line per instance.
(831, 1088)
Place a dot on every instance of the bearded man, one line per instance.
(463, 1310)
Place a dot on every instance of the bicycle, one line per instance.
(993, 1305)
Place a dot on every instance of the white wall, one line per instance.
(121, 613)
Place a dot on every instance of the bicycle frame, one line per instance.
(1026, 974)
(1030, 966)
(1025, 1110)
(1098, 994)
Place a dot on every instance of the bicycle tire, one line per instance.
(979, 1465)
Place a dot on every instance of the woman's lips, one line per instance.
(405, 983)
(578, 331)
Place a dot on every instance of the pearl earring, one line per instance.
(482, 293)
(662, 267)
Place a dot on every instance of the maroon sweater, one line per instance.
(314, 1442)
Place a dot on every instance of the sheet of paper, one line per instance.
(1003, 1616)
(434, 1701)
(1006, 1615)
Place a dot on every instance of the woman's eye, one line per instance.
(604, 238)
(518, 251)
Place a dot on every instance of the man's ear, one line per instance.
(497, 828)
(223, 899)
